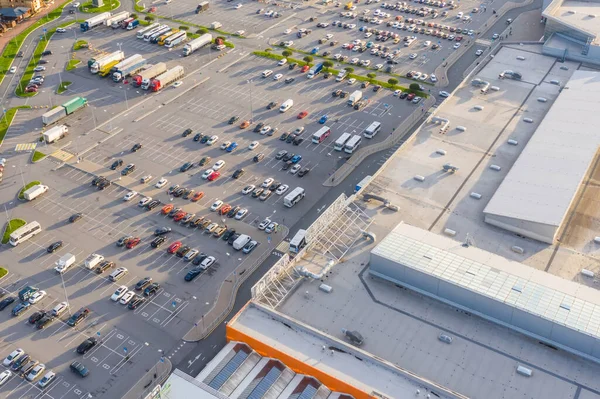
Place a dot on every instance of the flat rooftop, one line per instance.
(582, 15)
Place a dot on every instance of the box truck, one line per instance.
(94, 21)
(125, 23)
(148, 73)
(354, 97)
(241, 241)
(314, 71)
(64, 263)
(202, 7)
(55, 133)
(35, 191)
(115, 20)
(100, 63)
(54, 115)
(165, 79)
(196, 44)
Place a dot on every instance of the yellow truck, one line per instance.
(105, 70)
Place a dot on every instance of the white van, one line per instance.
(64, 263)
(485, 87)
(267, 73)
(286, 105)
(241, 242)
(117, 274)
(341, 76)
(93, 260)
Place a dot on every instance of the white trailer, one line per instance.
(54, 115)
(128, 61)
(165, 79)
(55, 133)
(197, 43)
(94, 21)
(149, 73)
(115, 20)
(99, 64)
(354, 97)
(33, 192)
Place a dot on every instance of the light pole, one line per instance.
(251, 110)
(125, 91)
(156, 365)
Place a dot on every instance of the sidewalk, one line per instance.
(157, 374)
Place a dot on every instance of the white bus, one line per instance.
(140, 33)
(352, 144)
(298, 242)
(321, 135)
(156, 31)
(175, 39)
(24, 233)
(372, 130)
(294, 197)
(341, 142)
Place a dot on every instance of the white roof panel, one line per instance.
(543, 181)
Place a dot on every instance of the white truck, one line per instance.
(64, 263)
(94, 21)
(131, 66)
(354, 98)
(147, 74)
(241, 241)
(196, 44)
(165, 79)
(287, 104)
(35, 191)
(115, 20)
(55, 133)
(93, 260)
(100, 63)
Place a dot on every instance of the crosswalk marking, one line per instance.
(62, 155)
(484, 42)
(283, 246)
(25, 147)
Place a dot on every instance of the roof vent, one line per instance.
(572, 12)
(565, 306)
(517, 287)
(592, 15)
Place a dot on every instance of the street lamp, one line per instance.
(251, 110)
(125, 91)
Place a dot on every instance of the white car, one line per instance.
(130, 195)
(282, 189)
(122, 290)
(295, 169)
(208, 262)
(289, 43)
(378, 66)
(263, 225)
(4, 376)
(13, 357)
(266, 73)
(417, 75)
(36, 372)
(39, 68)
(125, 299)
(161, 183)
(12, 69)
(218, 165)
(144, 201)
(216, 205)
(253, 145)
(412, 56)
(271, 227)
(61, 30)
(354, 61)
(278, 76)
(427, 43)
(459, 15)
(368, 35)
(265, 129)
(287, 31)
(433, 78)
(444, 94)
(423, 77)
(241, 213)
(397, 93)
(207, 173)
(248, 189)
(479, 52)
(351, 81)
(177, 84)
(456, 45)
(282, 62)
(366, 63)
(212, 140)
(268, 181)
(225, 145)
(76, 4)
(60, 309)
(238, 6)
(146, 179)
(37, 296)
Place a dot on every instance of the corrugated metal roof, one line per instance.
(542, 294)
(543, 181)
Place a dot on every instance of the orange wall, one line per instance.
(297, 365)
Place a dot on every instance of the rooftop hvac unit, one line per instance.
(555, 82)
(524, 371)
(517, 249)
(572, 12)
(475, 195)
(592, 15)
(494, 88)
(597, 240)
(528, 120)
(542, 99)
(450, 232)
(353, 336)
(461, 128)
(325, 288)
(564, 68)
(587, 273)
(521, 58)
(495, 167)
(440, 152)
(419, 178)
(513, 142)
(478, 107)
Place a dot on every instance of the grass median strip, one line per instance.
(11, 226)
(27, 187)
(38, 156)
(79, 44)
(7, 119)
(3, 272)
(89, 9)
(72, 64)
(63, 87)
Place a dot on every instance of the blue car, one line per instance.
(231, 147)
(323, 119)
(20, 308)
(296, 158)
(314, 51)
(370, 44)
(362, 28)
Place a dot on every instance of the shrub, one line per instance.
(349, 69)
(414, 87)
(11, 226)
(286, 53)
(149, 18)
(308, 59)
(393, 81)
(328, 64)
(183, 27)
(202, 31)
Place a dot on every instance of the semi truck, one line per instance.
(62, 111)
(94, 21)
(196, 44)
(105, 70)
(35, 191)
(55, 133)
(174, 40)
(354, 97)
(202, 7)
(127, 61)
(132, 25)
(129, 69)
(141, 32)
(101, 62)
(314, 71)
(165, 79)
(115, 20)
(149, 73)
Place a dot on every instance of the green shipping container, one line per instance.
(74, 104)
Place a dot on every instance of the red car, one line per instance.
(305, 68)
(458, 38)
(197, 196)
(31, 89)
(302, 115)
(213, 176)
(410, 97)
(166, 209)
(133, 242)
(179, 215)
(174, 247)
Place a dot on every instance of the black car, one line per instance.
(54, 247)
(272, 104)
(258, 127)
(232, 212)
(136, 147)
(128, 169)
(258, 157)
(204, 161)
(196, 222)
(293, 65)
(116, 164)
(181, 252)
(143, 283)
(303, 172)
(179, 192)
(35, 317)
(186, 132)
(103, 184)
(298, 141)
(344, 94)
(79, 368)
(199, 258)
(158, 241)
(86, 345)
(151, 289)
(286, 165)
(376, 88)
(403, 95)
(75, 217)
(152, 204)
(289, 80)
(228, 234)
(173, 212)
(162, 231)
(186, 166)
(22, 361)
(291, 138)
(192, 274)
(238, 173)
(284, 136)
(104, 266)
(44, 321)
(232, 238)
(274, 186)
(77, 317)
(233, 119)
(198, 137)
(135, 302)
(47, 52)
(288, 156)
(97, 180)
(205, 139)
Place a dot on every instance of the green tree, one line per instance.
(328, 64)
(183, 27)
(134, 16)
(371, 76)
(308, 59)
(202, 31)
(149, 18)
(268, 50)
(286, 53)
(393, 81)
(414, 87)
(349, 69)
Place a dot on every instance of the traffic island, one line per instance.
(80, 44)
(88, 8)
(72, 64)
(28, 186)
(11, 226)
(63, 87)
(37, 156)
(5, 122)
(3, 272)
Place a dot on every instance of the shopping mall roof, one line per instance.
(579, 15)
